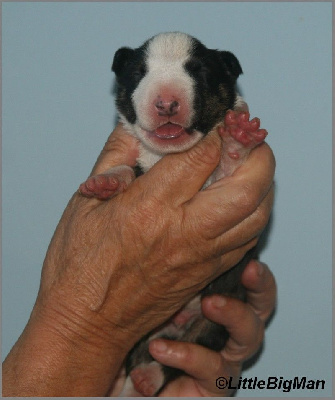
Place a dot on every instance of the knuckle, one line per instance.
(247, 199)
(263, 216)
(263, 212)
(253, 343)
(251, 197)
(186, 354)
(258, 339)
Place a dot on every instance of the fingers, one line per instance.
(245, 325)
(120, 149)
(188, 357)
(246, 330)
(230, 200)
(244, 321)
(233, 244)
(191, 359)
(200, 364)
(261, 288)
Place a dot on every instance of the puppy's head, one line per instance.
(173, 90)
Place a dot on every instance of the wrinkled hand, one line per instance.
(245, 323)
(151, 238)
(114, 270)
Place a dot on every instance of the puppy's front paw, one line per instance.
(239, 130)
(104, 186)
(239, 136)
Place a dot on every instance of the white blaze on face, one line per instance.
(165, 79)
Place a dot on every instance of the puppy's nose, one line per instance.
(167, 107)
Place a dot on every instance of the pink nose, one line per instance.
(167, 107)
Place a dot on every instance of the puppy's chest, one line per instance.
(147, 158)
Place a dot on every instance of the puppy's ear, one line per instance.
(121, 58)
(231, 63)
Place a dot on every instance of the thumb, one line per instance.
(120, 149)
(188, 170)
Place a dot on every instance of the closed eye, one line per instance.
(139, 72)
(193, 65)
(197, 67)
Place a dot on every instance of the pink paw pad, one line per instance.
(147, 379)
(238, 126)
(101, 186)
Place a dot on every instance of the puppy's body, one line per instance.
(172, 91)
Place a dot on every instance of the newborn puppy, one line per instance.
(172, 91)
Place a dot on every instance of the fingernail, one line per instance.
(219, 302)
(159, 346)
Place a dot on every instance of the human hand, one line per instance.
(208, 371)
(154, 223)
(114, 270)
(133, 261)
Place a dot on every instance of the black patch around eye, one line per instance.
(193, 65)
(139, 72)
(198, 69)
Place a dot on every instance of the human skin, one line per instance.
(245, 322)
(114, 270)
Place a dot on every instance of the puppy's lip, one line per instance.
(169, 130)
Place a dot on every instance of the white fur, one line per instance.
(148, 153)
(240, 104)
(165, 56)
(148, 158)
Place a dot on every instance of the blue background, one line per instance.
(58, 110)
